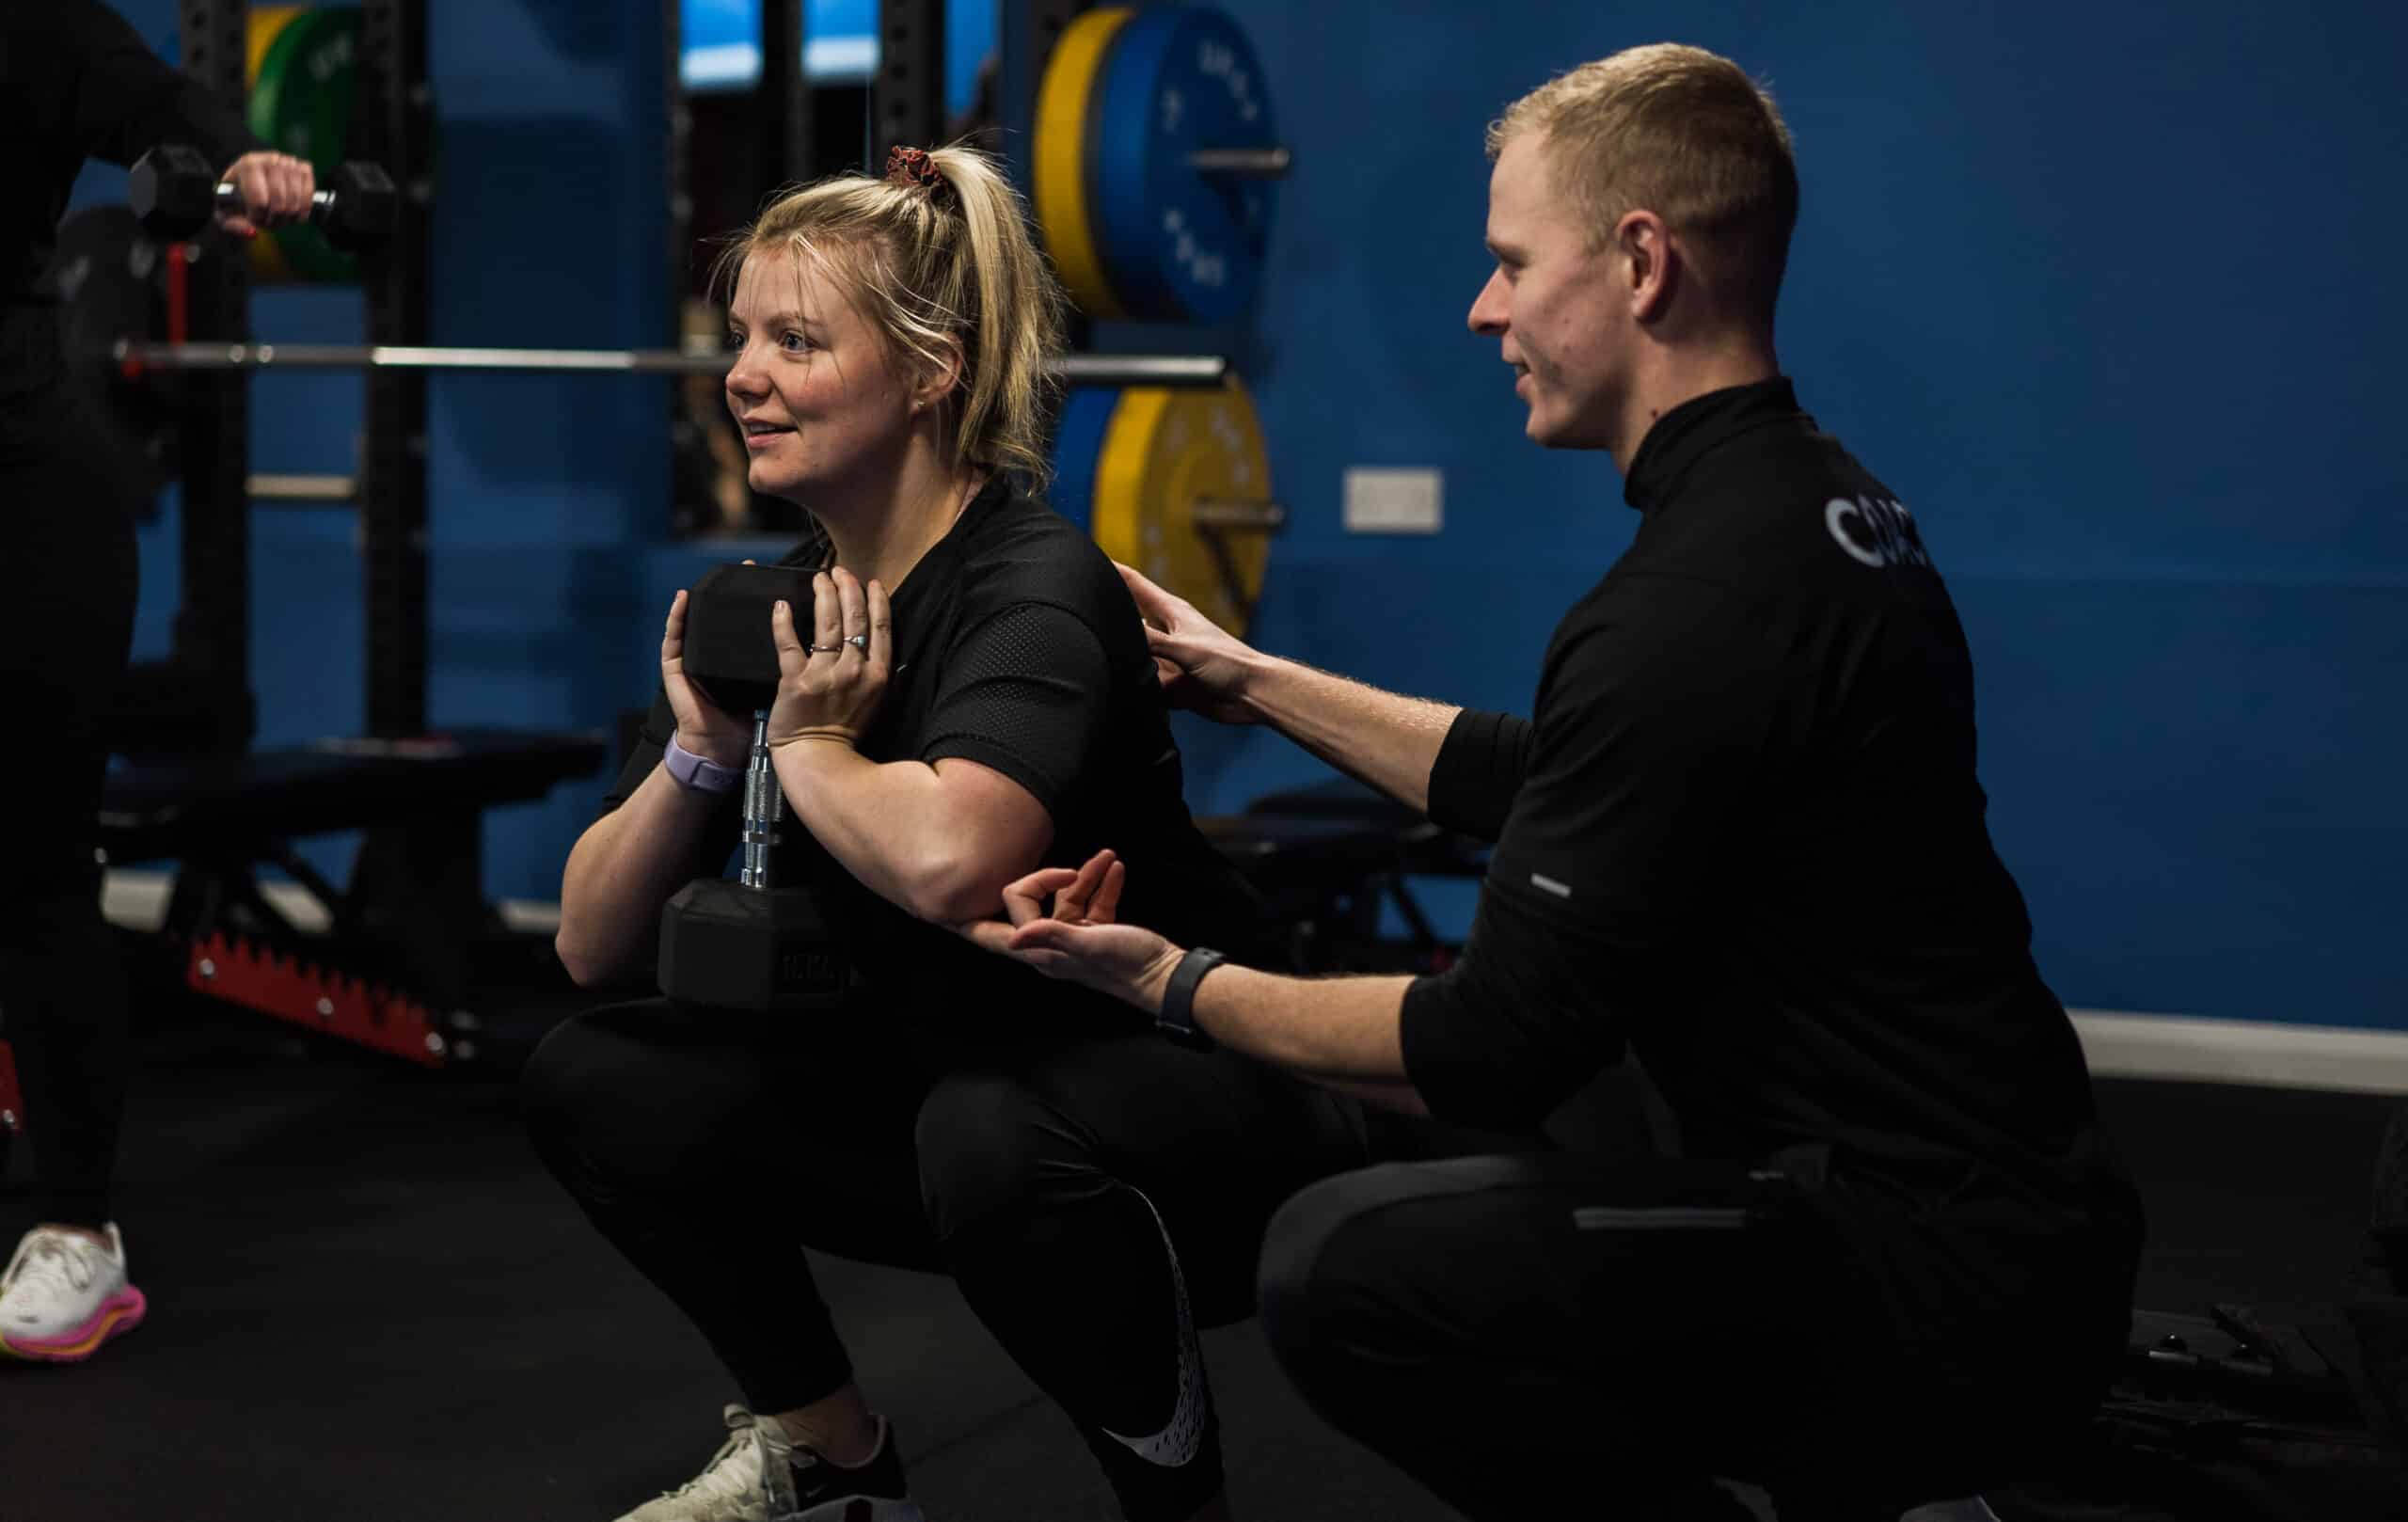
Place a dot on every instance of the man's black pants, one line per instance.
(1556, 1334)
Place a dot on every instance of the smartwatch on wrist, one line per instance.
(1177, 1021)
(693, 774)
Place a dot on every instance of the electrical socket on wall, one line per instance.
(1391, 500)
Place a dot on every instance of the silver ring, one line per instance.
(858, 642)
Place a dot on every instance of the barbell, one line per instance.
(1160, 457)
(133, 358)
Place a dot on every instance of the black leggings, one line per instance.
(1095, 1197)
(67, 577)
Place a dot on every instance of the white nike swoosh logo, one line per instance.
(1182, 1437)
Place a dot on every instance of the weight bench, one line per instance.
(209, 804)
(1325, 857)
(397, 961)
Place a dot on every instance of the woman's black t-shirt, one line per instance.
(1016, 646)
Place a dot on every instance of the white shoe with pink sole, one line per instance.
(65, 1294)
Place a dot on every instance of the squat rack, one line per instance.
(204, 686)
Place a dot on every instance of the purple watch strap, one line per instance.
(692, 770)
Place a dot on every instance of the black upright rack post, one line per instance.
(1030, 29)
(417, 884)
(212, 629)
(909, 87)
(784, 98)
(675, 144)
(393, 126)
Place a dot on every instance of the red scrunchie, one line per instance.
(911, 166)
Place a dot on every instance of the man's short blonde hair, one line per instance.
(1682, 133)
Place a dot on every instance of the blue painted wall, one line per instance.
(2097, 290)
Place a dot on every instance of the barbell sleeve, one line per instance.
(272, 486)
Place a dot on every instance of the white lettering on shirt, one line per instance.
(1883, 532)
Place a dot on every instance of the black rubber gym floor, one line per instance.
(368, 1302)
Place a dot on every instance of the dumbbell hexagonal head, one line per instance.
(364, 208)
(730, 655)
(731, 947)
(173, 191)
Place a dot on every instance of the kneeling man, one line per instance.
(1741, 838)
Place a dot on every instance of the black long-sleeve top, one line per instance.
(1742, 836)
(77, 83)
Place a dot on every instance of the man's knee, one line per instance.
(1314, 1281)
(1350, 1266)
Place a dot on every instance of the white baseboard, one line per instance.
(2269, 1054)
(138, 900)
(2182, 1048)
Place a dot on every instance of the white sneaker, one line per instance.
(65, 1294)
(759, 1476)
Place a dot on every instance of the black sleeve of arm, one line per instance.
(1650, 738)
(128, 101)
(726, 831)
(1516, 1026)
(1480, 767)
(1025, 693)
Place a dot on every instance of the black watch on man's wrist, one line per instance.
(1177, 1021)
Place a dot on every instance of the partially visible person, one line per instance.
(76, 83)
(1740, 837)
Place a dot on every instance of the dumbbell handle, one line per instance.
(764, 804)
(229, 202)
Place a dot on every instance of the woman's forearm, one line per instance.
(918, 839)
(622, 870)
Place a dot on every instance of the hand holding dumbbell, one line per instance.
(174, 193)
(266, 190)
(752, 943)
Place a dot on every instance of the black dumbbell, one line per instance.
(748, 942)
(175, 194)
